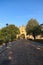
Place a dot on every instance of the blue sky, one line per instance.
(18, 12)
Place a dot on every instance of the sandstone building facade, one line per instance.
(24, 34)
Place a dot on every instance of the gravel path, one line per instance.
(22, 52)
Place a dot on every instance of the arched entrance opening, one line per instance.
(22, 36)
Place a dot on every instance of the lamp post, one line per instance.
(6, 36)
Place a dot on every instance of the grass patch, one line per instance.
(37, 40)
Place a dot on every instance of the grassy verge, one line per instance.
(37, 40)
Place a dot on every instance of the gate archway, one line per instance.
(22, 36)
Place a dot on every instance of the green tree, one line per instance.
(41, 29)
(36, 31)
(32, 27)
(9, 33)
(13, 31)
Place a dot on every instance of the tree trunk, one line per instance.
(34, 37)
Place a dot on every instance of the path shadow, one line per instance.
(6, 62)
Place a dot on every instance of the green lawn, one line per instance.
(37, 40)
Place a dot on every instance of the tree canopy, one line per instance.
(33, 27)
(31, 24)
(9, 33)
(36, 31)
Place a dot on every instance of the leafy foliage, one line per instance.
(36, 31)
(41, 29)
(9, 33)
(30, 25)
(33, 27)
